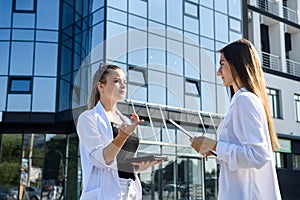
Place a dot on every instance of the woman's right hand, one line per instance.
(124, 129)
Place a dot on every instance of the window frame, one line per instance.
(297, 103)
(24, 11)
(276, 113)
(19, 78)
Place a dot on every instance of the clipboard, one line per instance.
(188, 133)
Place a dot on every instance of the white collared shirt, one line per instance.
(100, 181)
(247, 169)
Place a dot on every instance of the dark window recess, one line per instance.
(20, 85)
(265, 43)
(288, 43)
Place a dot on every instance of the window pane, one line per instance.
(138, 7)
(191, 88)
(45, 59)
(5, 10)
(296, 162)
(50, 36)
(191, 9)
(46, 9)
(22, 34)
(206, 22)
(44, 94)
(235, 25)
(24, 4)
(191, 24)
(208, 97)
(221, 26)
(116, 45)
(137, 76)
(174, 13)
(298, 111)
(3, 91)
(21, 58)
(156, 51)
(4, 49)
(122, 5)
(4, 34)
(207, 3)
(137, 43)
(157, 87)
(174, 57)
(191, 61)
(117, 16)
(157, 11)
(137, 93)
(192, 102)
(175, 91)
(235, 8)
(137, 22)
(23, 20)
(221, 6)
(64, 94)
(20, 85)
(208, 72)
(19, 102)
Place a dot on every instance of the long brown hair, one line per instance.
(245, 63)
(100, 75)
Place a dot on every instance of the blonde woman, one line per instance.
(107, 137)
(246, 136)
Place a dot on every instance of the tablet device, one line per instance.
(144, 158)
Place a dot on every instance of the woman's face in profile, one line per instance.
(224, 72)
(115, 86)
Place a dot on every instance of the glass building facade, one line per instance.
(49, 52)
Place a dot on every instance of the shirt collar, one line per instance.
(237, 93)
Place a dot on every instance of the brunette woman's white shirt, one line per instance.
(247, 169)
(100, 180)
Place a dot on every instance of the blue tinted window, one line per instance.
(207, 3)
(45, 59)
(174, 13)
(191, 24)
(137, 93)
(45, 9)
(97, 35)
(20, 85)
(191, 61)
(25, 5)
(18, 34)
(97, 4)
(117, 16)
(23, 20)
(157, 87)
(98, 16)
(4, 55)
(44, 94)
(122, 5)
(137, 47)
(174, 57)
(64, 93)
(21, 58)
(5, 10)
(50, 36)
(3, 91)
(4, 34)
(19, 102)
(175, 91)
(157, 11)
(206, 22)
(235, 8)
(191, 9)
(221, 6)
(137, 22)
(138, 7)
(67, 16)
(221, 27)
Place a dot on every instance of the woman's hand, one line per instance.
(141, 166)
(203, 144)
(130, 128)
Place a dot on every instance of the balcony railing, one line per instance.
(293, 67)
(290, 14)
(271, 61)
(267, 5)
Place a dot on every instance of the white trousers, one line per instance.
(128, 189)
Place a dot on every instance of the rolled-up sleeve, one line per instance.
(91, 139)
(249, 128)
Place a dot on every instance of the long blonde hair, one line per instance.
(245, 63)
(99, 76)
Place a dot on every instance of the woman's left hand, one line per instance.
(141, 166)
